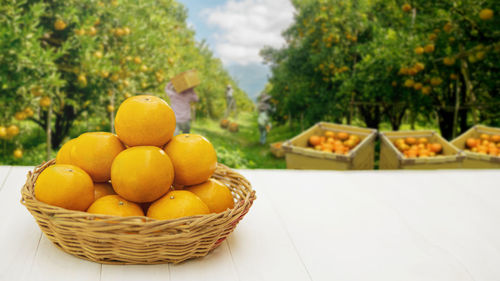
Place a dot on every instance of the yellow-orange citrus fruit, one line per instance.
(193, 157)
(145, 120)
(18, 153)
(406, 7)
(314, 140)
(3, 132)
(342, 135)
(216, 195)
(102, 189)
(426, 90)
(66, 186)
(429, 48)
(59, 24)
(409, 83)
(115, 205)
(64, 154)
(486, 14)
(12, 131)
(177, 204)
(449, 61)
(419, 50)
(94, 153)
(45, 102)
(142, 173)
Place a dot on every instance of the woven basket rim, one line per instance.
(141, 220)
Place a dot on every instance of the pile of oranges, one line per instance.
(142, 170)
(485, 144)
(418, 147)
(340, 143)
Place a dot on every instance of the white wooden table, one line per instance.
(306, 225)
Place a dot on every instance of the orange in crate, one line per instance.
(186, 80)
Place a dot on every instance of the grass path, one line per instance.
(242, 149)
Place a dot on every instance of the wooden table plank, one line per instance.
(53, 264)
(135, 272)
(19, 233)
(454, 217)
(345, 229)
(4, 171)
(217, 265)
(260, 246)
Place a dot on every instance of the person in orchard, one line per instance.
(230, 102)
(263, 119)
(181, 104)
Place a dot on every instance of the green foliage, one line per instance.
(85, 57)
(352, 58)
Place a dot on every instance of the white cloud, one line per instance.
(247, 26)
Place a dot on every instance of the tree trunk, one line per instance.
(64, 121)
(371, 115)
(446, 123)
(396, 115)
(48, 133)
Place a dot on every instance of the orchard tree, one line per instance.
(383, 60)
(67, 61)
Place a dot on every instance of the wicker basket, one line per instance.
(138, 240)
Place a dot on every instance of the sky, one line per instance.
(236, 30)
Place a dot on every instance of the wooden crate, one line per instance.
(475, 160)
(277, 149)
(391, 158)
(299, 156)
(186, 80)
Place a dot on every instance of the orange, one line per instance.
(177, 204)
(193, 157)
(471, 142)
(66, 186)
(329, 134)
(142, 173)
(406, 7)
(495, 138)
(412, 153)
(314, 140)
(422, 141)
(102, 189)
(64, 154)
(355, 138)
(145, 120)
(215, 194)
(115, 205)
(411, 141)
(424, 153)
(436, 147)
(18, 153)
(94, 153)
(342, 136)
(486, 14)
(350, 143)
(484, 137)
(12, 131)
